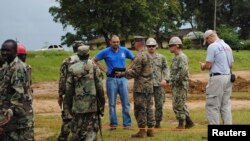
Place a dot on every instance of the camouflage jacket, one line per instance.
(142, 72)
(179, 70)
(28, 90)
(160, 69)
(64, 72)
(84, 87)
(14, 95)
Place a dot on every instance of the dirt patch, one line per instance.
(197, 86)
(50, 87)
(198, 82)
(46, 106)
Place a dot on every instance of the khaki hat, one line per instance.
(175, 41)
(206, 34)
(83, 50)
(150, 42)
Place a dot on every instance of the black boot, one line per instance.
(158, 124)
(181, 124)
(189, 123)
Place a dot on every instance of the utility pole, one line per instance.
(215, 7)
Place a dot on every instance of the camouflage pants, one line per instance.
(84, 127)
(179, 102)
(66, 123)
(143, 110)
(159, 99)
(25, 134)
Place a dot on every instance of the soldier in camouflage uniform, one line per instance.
(141, 70)
(66, 117)
(160, 74)
(84, 96)
(179, 83)
(15, 102)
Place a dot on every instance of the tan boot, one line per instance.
(140, 134)
(189, 123)
(181, 124)
(150, 132)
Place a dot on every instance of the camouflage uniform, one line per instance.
(66, 117)
(83, 88)
(179, 85)
(160, 72)
(15, 97)
(142, 71)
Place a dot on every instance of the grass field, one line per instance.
(48, 126)
(45, 64)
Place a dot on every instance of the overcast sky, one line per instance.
(29, 22)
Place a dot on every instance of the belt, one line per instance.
(214, 74)
(110, 75)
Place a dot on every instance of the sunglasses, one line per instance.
(151, 46)
(172, 45)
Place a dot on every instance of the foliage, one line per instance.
(232, 12)
(187, 43)
(91, 19)
(166, 18)
(230, 36)
(245, 44)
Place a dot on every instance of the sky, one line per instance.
(30, 23)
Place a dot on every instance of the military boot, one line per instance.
(189, 123)
(150, 132)
(158, 124)
(181, 124)
(140, 134)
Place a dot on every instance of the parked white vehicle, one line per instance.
(52, 47)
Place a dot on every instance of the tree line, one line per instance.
(159, 18)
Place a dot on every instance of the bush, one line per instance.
(230, 36)
(245, 44)
(187, 43)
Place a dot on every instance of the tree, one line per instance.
(241, 16)
(230, 12)
(96, 18)
(165, 18)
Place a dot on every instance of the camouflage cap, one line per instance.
(83, 50)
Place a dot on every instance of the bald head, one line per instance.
(115, 42)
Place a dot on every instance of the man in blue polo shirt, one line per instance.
(115, 58)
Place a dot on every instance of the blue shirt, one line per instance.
(220, 54)
(114, 59)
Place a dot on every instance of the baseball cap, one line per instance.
(206, 34)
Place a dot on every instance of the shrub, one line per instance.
(245, 44)
(187, 43)
(230, 36)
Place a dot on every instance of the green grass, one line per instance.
(235, 95)
(51, 124)
(45, 64)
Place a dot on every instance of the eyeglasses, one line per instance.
(151, 46)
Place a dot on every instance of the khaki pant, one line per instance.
(218, 103)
